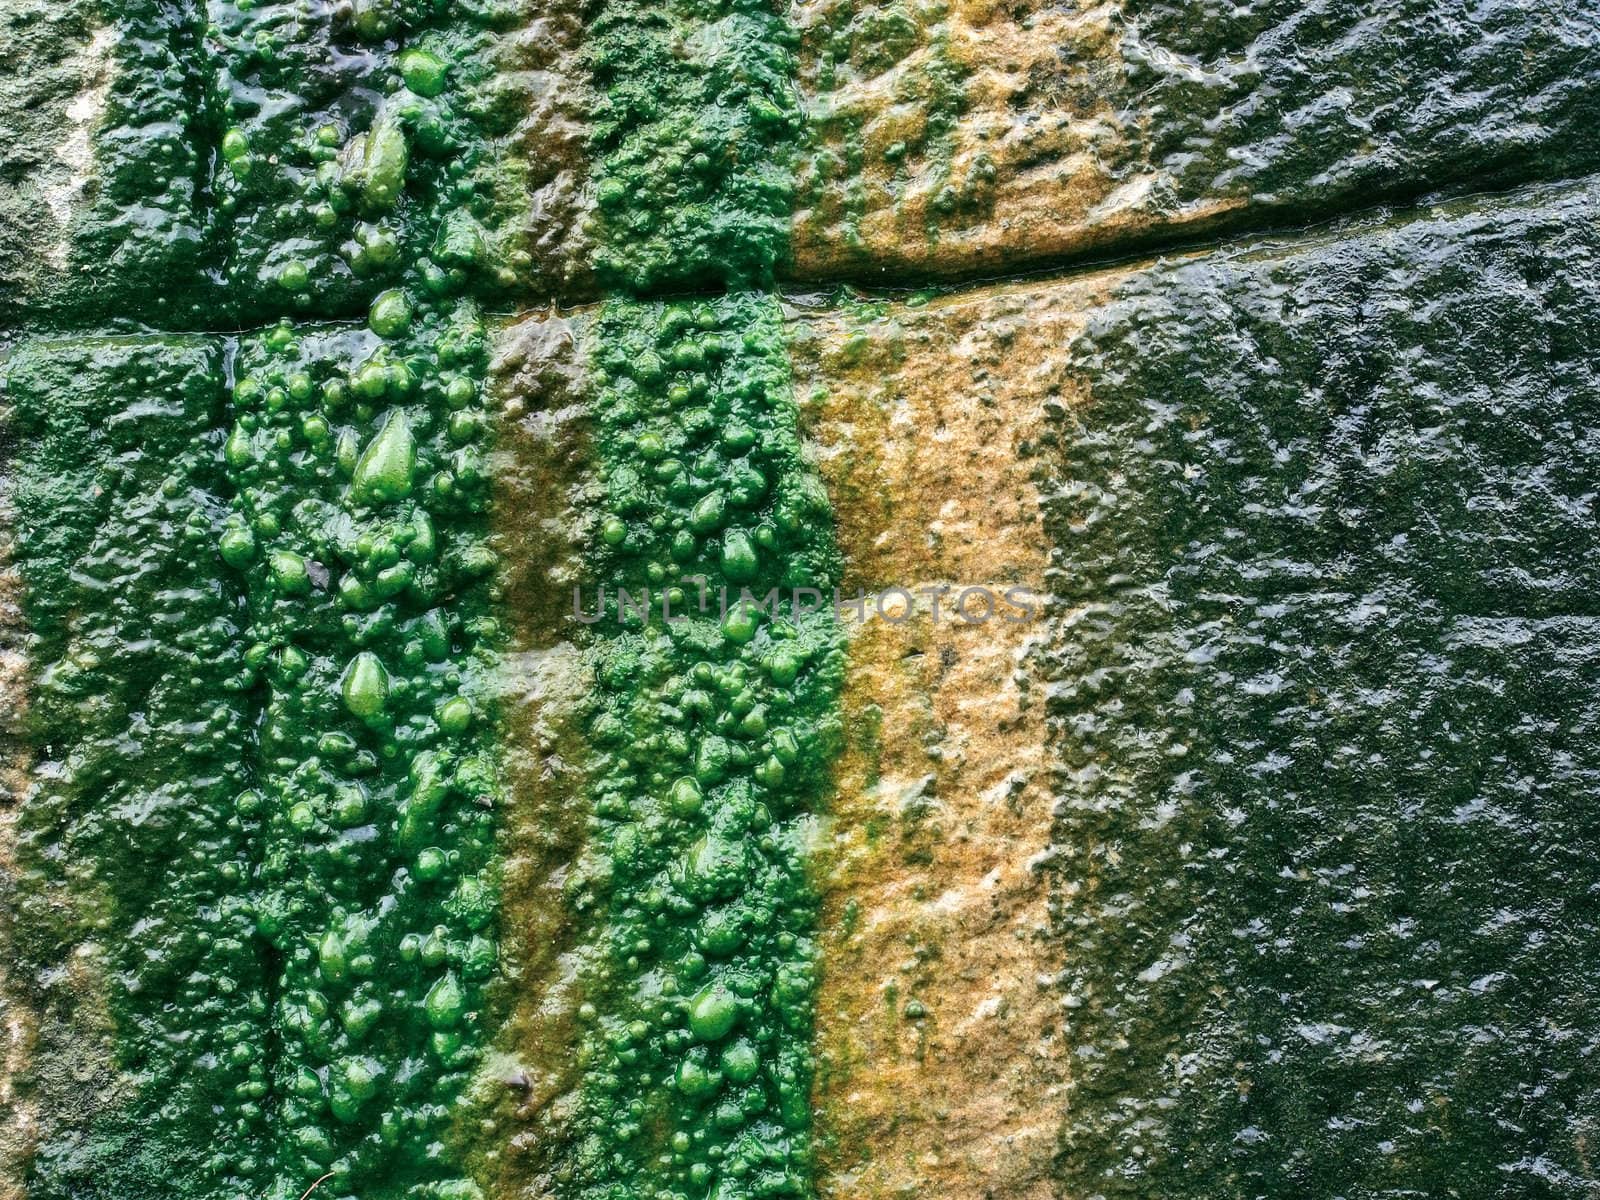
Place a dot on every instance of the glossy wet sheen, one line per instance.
(1325, 699)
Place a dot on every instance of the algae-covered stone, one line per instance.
(702, 769)
(365, 149)
(312, 158)
(136, 967)
(100, 158)
(378, 823)
(969, 136)
(693, 136)
(1325, 696)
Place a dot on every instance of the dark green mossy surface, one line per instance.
(1326, 703)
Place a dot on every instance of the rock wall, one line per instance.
(1152, 758)
(976, 139)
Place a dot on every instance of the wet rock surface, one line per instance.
(132, 973)
(99, 160)
(229, 159)
(973, 138)
(1325, 704)
(1254, 861)
(1316, 518)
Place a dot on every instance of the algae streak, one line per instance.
(711, 732)
(358, 529)
(711, 736)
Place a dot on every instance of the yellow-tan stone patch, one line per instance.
(962, 137)
(940, 1064)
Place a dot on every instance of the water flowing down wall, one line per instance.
(708, 601)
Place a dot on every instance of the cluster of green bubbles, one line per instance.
(711, 736)
(358, 466)
(362, 153)
(692, 139)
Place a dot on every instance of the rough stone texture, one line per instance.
(1325, 545)
(1317, 529)
(968, 136)
(99, 160)
(17, 1022)
(542, 473)
(1305, 746)
(941, 1064)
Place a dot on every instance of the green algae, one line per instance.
(714, 715)
(339, 181)
(1325, 698)
(256, 869)
(376, 887)
(711, 737)
(368, 163)
(132, 929)
(692, 137)
(264, 623)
